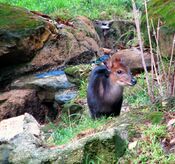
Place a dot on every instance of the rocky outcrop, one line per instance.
(25, 143)
(32, 43)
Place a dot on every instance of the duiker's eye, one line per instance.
(119, 72)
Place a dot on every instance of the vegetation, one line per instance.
(165, 10)
(137, 96)
(94, 9)
(148, 147)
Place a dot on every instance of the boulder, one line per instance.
(166, 40)
(18, 132)
(132, 58)
(16, 102)
(10, 128)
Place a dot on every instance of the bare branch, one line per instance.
(137, 22)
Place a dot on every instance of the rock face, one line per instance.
(70, 45)
(16, 102)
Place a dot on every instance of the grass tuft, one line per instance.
(68, 128)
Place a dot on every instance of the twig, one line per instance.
(169, 71)
(170, 65)
(135, 11)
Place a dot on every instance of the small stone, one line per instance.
(132, 145)
(172, 141)
(171, 122)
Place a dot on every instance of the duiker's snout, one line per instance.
(133, 81)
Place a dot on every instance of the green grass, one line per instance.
(68, 128)
(94, 9)
(83, 89)
(148, 148)
(137, 95)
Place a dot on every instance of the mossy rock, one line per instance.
(108, 150)
(77, 74)
(17, 19)
(21, 34)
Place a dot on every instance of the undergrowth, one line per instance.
(148, 148)
(96, 9)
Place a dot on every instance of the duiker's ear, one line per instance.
(108, 64)
(118, 60)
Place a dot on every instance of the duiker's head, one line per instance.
(119, 73)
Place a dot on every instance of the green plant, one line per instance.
(69, 128)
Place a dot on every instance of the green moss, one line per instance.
(106, 151)
(103, 151)
(76, 74)
(16, 19)
(155, 117)
(120, 146)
